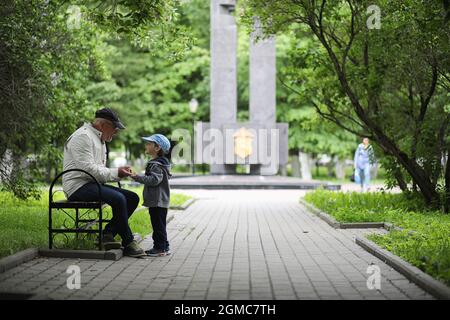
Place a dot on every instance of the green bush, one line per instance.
(424, 240)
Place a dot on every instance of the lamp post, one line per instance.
(193, 106)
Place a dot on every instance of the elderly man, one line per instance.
(85, 149)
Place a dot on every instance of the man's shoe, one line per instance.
(133, 250)
(109, 243)
(168, 252)
(156, 253)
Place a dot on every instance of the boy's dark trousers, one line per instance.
(158, 217)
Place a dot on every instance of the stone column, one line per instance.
(262, 79)
(295, 163)
(223, 70)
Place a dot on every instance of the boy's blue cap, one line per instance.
(160, 140)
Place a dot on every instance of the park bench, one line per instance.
(81, 223)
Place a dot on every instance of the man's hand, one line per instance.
(124, 171)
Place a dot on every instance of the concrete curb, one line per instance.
(26, 255)
(18, 258)
(325, 217)
(170, 213)
(184, 206)
(346, 225)
(113, 255)
(82, 254)
(170, 216)
(414, 274)
(361, 225)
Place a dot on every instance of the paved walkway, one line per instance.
(255, 244)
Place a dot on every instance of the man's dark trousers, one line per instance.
(122, 202)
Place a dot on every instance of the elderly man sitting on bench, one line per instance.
(86, 149)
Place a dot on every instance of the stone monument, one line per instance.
(223, 142)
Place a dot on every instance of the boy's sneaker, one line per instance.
(133, 250)
(109, 243)
(156, 253)
(168, 252)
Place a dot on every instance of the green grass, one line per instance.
(24, 224)
(176, 199)
(425, 240)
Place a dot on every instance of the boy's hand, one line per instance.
(132, 174)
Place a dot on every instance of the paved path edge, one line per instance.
(344, 225)
(414, 274)
(184, 206)
(17, 259)
(82, 254)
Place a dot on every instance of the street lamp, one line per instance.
(193, 106)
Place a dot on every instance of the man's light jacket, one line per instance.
(85, 150)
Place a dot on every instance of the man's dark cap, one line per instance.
(108, 114)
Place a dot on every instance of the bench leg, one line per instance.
(50, 230)
(100, 229)
(76, 223)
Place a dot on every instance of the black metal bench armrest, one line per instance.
(79, 170)
(77, 204)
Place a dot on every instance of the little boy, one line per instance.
(157, 191)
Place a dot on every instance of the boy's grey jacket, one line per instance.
(156, 183)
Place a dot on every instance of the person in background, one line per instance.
(157, 191)
(363, 161)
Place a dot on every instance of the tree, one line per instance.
(308, 132)
(45, 66)
(150, 89)
(388, 84)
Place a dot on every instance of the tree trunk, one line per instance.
(48, 173)
(375, 169)
(330, 167)
(400, 181)
(419, 176)
(305, 166)
(447, 185)
(283, 170)
(295, 163)
(339, 168)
